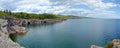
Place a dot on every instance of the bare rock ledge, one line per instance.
(5, 41)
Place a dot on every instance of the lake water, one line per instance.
(72, 33)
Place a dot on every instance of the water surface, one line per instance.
(73, 33)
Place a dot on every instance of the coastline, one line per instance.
(5, 41)
(113, 44)
(38, 21)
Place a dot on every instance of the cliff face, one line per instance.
(38, 22)
(5, 41)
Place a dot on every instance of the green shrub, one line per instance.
(109, 45)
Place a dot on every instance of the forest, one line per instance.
(24, 15)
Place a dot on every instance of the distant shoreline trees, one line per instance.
(23, 15)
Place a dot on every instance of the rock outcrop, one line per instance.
(116, 43)
(38, 22)
(113, 44)
(5, 41)
(13, 27)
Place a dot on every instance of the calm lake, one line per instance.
(72, 33)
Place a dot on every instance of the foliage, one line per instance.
(23, 15)
(109, 45)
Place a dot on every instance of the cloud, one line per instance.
(96, 4)
(32, 6)
(97, 7)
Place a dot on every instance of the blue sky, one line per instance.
(89, 8)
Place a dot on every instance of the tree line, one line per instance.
(24, 15)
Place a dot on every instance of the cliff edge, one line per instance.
(5, 41)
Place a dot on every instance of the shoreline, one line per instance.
(38, 21)
(7, 42)
(113, 44)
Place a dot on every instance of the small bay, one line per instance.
(72, 33)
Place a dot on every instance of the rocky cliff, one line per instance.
(5, 41)
(38, 22)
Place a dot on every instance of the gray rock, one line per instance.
(115, 42)
(5, 41)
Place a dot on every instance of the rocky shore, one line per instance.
(113, 44)
(38, 22)
(5, 41)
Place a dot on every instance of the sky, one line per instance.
(88, 8)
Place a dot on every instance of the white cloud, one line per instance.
(1, 8)
(99, 8)
(35, 2)
(31, 6)
(98, 4)
(59, 6)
